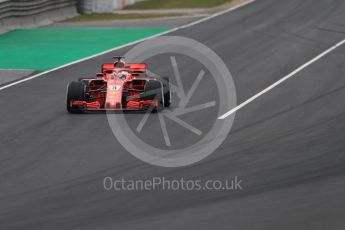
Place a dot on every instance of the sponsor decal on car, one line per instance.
(115, 87)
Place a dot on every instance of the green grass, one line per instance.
(168, 4)
(46, 48)
(104, 17)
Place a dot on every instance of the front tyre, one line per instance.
(167, 92)
(75, 92)
(154, 91)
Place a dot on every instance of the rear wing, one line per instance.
(134, 67)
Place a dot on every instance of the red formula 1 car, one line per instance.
(120, 86)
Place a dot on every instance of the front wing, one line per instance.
(130, 106)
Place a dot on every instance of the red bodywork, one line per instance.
(107, 91)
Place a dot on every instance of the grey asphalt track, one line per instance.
(287, 146)
(7, 75)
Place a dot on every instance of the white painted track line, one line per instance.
(233, 110)
(129, 44)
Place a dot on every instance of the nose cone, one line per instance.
(114, 94)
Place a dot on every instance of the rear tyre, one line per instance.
(84, 80)
(75, 92)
